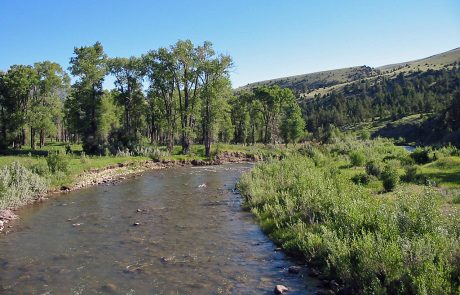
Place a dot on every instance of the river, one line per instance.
(189, 240)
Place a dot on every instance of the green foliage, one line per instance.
(361, 178)
(390, 177)
(391, 97)
(371, 244)
(89, 66)
(292, 125)
(420, 155)
(19, 186)
(57, 162)
(411, 174)
(357, 158)
(374, 168)
(40, 168)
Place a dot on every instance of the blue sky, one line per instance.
(267, 39)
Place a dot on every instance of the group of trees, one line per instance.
(419, 92)
(31, 102)
(173, 95)
(268, 115)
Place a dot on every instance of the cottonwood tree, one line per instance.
(18, 86)
(160, 70)
(292, 123)
(129, 74)
(216, 89)
(89, 65)
(272, 99)
(46, 105)
(188, 61)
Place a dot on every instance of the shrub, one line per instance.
(57, 162)
(365, 135)
(411, 174)
(315, 154)
(374, 168)
(372, 245)
(68, 149)
(357, 158)
(390, 177)
(40, 168)
(361, 178)
(18, 185)
(420, 156)
(150, 152)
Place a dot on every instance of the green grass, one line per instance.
(445, 171)
(372, 242)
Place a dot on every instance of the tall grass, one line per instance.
(370, 244)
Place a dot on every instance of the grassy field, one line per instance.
(326, 204)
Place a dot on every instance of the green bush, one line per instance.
(57, 162)
(389, 177)
(411, 174)
(374, 168)
(40, 168)
(361, 178)
(420, 156)
(18, 186)
(357, 158)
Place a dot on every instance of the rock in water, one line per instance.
(136, 224)
(109, 287)
(280, 289)
(7, 215)
(294, 269)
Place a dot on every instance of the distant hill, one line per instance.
(320, 83)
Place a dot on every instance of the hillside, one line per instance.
(320, 83)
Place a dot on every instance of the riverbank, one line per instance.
(365, 214)
(115, 173)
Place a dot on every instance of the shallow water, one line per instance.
(190, 240)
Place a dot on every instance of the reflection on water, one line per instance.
(190, 240)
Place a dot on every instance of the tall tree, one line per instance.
(216, 89)
(46, 106)
(188, 61)
(128, 73)
(292, 125)
(89, 65)
(160, 70)
(19, 86)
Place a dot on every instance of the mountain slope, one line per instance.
(320, 83)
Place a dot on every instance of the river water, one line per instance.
(190, 240)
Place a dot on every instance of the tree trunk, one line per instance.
(23, 137)
(32, 138)
(42, 139)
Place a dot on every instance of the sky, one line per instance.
(266, 38)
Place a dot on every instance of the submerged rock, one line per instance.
(294, 269)
(280, 289)
(109, 287)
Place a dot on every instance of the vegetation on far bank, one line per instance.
(368, 214)
(28, 174)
